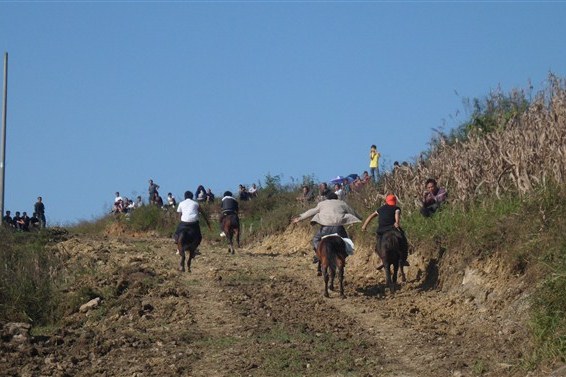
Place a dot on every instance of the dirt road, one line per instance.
(257, 313)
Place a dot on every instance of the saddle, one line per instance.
(349, 243)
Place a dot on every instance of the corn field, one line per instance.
(528, 151)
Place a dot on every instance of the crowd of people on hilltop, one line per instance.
(24, 223)
(201, 195)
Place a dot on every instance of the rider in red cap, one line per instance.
(389, 220)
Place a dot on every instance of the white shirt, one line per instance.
(189, 211)
(118, 198)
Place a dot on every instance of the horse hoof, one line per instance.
(331, 288)
(326, 294)
(342, 296)
(318, 273)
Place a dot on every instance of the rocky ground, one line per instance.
(261, 312)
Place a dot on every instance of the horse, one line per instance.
(331, 253)
(190, 241)
(231, 227)
(389, 249)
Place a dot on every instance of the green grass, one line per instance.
(27, 275)
(526, 233)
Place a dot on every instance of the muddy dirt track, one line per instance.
(261, 312)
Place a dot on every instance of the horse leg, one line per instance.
(182, 258)
(318, 269)
(237, 231)
(326, 282)
(191, 256)
(403, 277)
(388, 276)
(395, 272)
(332, 276)
(341, 280)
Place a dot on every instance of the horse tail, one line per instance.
(333, 250)
(390, 247)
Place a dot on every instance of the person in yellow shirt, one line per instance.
(374, 162)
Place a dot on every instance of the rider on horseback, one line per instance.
(229, 206)
(389, 220)
(189, 212)
(332, 214)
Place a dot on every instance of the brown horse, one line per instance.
(389, 250)
(187, 240)
(231, 227)
(331, 253)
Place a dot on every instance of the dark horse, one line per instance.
(331, 253)
(390, 250)
(231, 227)
(188, 240)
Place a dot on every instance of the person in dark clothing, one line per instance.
(152, 189)
(25, 221)
(7, 220)
(39, 209)
(389, 220)
(209, 196)
(17, 221)
(34, 221)
(433, 198)
(228, 206)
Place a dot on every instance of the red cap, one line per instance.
(391, 200)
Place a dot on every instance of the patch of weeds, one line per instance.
(217, 343)
(479, 368)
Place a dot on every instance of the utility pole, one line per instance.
(3, 150)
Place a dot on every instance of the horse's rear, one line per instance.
(187, 241)
(231, 228)
(389, 250)
(331, 253)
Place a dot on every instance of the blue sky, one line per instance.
(103, 96)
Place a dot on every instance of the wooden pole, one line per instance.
(3, 150)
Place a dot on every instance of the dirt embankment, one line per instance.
(261, 313)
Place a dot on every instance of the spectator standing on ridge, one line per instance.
(323, 192)
(306, 196)
(331, 214)
(253, 191)
(171, 202)
(339, 191)
(200, 194)
(374, 162)
(139, 202)
(244, 194)
(7, 220)
(39, 209)
(209, 196)
(433, 198)
(365, 177)
(152, 189)
(157, 200)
